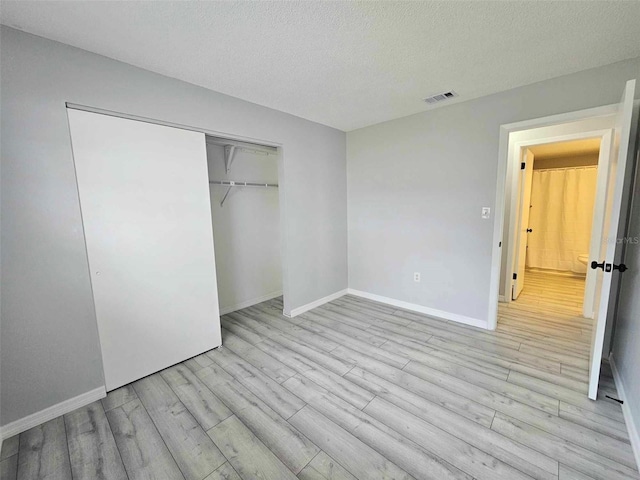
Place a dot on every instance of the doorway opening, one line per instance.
(615, 126)
(554, 230)
(549, 287)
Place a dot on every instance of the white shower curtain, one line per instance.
(561, 214)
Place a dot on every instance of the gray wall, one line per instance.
(626, 337)
(246, 228)
(416, 186)
(50, 349)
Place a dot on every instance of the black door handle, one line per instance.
(529, 230)
(621, 268)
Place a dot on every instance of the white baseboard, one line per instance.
(432, 312)
(501, 298)
(250, 303)
(38, 418)
(632, 425)
(310, 306)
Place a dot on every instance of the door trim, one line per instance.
(503, 161)
(515, 212)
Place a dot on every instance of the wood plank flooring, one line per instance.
(354, 390)
(564, 292)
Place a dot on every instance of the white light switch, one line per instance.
(486, 212)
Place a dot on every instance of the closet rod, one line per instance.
(232, 184)
(243, 184)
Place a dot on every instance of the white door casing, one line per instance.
(144, 196)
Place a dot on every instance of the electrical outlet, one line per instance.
(416, 277)
(486, 212)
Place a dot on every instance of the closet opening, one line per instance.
(181, 226)
(245, 212)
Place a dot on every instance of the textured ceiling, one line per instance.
(344, 64)
(566, 149)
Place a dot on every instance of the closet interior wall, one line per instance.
(246, 228)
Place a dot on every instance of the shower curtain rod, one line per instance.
(564, 168)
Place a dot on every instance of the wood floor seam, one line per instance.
(345, 373)
(119, 453)
(310, 460)
(369, 402)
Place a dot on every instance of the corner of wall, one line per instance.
(316, 303)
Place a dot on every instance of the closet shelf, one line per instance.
(231, 184)
(232, 147)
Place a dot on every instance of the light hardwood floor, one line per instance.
(560, 292)
(351, 390)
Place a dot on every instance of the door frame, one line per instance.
(505, 158)
(516, 212)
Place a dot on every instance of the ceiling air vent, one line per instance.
(440, 97)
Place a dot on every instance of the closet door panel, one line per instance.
(144, 196)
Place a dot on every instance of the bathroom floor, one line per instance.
(559, 292)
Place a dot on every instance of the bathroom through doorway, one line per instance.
(557, 197)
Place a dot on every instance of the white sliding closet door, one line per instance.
(144, 195)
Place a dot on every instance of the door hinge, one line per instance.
(515, 276)
(522, 166)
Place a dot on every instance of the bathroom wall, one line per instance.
(561, 216)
